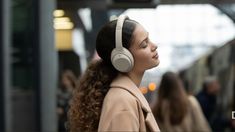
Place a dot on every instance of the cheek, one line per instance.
(138, 56)
(142, 58)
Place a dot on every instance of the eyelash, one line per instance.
(145, 43)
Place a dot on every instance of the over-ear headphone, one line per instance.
(121, 57)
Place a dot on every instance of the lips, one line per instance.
(155, 56)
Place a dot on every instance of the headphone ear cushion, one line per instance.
(122, 60)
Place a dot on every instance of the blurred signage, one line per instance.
(63, 40)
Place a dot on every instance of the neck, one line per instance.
(136, 77)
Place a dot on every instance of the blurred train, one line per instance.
(219, 63)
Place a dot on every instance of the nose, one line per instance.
(154, 47)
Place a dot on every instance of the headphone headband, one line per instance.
(118, 33)
(121, 57)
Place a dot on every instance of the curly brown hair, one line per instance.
(87, 100)
(86, 103)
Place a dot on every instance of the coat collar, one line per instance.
(126, 83)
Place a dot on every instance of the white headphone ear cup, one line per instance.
(122, 60)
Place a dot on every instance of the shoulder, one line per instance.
(119, 96)
(119, 111)
(118, 99)
(191, 98)
(193, 101)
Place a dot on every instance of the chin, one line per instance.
(154, 65)
(157, 63)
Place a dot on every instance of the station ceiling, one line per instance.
(71, 6)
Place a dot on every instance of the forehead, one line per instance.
(139, 35)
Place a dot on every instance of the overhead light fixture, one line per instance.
(58, 13)
(63, 25)
(61, 19)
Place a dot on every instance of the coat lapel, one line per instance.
(125, 82)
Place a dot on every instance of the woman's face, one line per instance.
(143, 50)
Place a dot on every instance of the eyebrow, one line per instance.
(144, 39)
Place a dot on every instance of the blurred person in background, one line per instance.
(175, 111)
(64, 94)
(207, 98)
(107, 97)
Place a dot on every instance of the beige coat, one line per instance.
(194, 120)
(126, 109)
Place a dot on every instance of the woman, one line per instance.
(175, 111)
(64, 93)
(108, 98)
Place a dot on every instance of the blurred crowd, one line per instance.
(176, 109)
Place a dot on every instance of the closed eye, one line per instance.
(144, 43)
